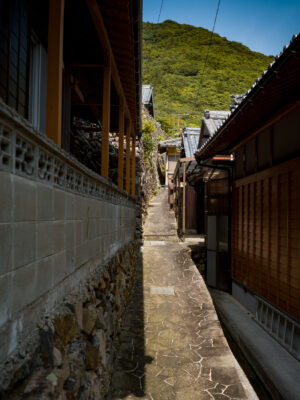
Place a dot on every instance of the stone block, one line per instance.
(5, 342)
(59, 267)
(79, 232)
(92, 208)
(70, 206)
(78, 309)
(24, 247)
(82, 255)
(45, 206)
(5, 299)
(45, 245)
(5, 248)
(99, 227)
(24, 199)
(81, 210)
(70, 264)
(70, 230)
(65, 327)
(59, 200)
(44, 275)
(58, 236)
(89, 318)
(6, 192)
(50, 238)
(91, 229)
(24, 289)
(92, 356)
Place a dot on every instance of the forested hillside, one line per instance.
(173, 61)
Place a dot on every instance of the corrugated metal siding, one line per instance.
(266, 235)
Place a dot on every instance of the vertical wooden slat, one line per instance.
(106, 116)
(256, 273)
(288, 240)
(248, 234)
(183, 200)
(128, 133)
(133, 167)
(261, 206)
(55, 70)
(277, 244)
(270, 210)
(243, 269)
(121, 145)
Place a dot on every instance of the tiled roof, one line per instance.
(258, 87)
(214, 119)
(190, 140)
(147, 92)
(170, 143)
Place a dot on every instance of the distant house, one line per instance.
(148, 99)
(211, 121)
(192, 179)
(263, 231)
(172, 148)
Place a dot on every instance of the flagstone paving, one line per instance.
(172, 345)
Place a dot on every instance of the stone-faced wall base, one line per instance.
(72, 354)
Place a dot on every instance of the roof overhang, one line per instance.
(277, 88)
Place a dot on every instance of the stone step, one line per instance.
(162, 237)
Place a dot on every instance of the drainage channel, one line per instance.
(198, 254)
(255, 381)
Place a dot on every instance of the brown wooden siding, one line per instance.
(266, 234)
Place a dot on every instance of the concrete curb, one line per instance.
(278, 370)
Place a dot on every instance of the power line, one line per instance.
(209, 44)
(161, 4)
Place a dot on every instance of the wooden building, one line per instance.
(62, 59)
(66, 228)
(263, 134)
(172, 149)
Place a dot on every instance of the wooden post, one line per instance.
(106, 116)
(121, 145)
(183, 198)
(55, 70)
(128, 132)
(133, 166)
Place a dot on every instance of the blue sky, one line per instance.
(262, 25)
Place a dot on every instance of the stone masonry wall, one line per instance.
(60, 225)
(72, 355)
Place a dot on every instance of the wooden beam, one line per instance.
(133, 166)
(55, 70)
(105, 42)
(128, 132)
(121, 146)
(187, 159)
(106, 116)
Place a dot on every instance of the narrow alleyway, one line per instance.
(172, 345)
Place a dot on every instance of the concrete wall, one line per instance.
(57, 224)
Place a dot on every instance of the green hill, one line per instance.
(173, 61)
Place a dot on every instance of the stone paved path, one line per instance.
(172, 345)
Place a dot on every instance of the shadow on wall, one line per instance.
(130, 367)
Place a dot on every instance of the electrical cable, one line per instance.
(209, 44)
(161, 4)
